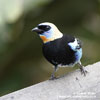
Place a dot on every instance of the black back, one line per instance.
(59, 52)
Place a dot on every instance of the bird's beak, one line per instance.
(36, 30)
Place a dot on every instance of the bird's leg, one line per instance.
(53, 74)
(83, 71)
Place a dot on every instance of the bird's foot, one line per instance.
(53, 78)
(83, 71)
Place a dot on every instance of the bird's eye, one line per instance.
(44, 27)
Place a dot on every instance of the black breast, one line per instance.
(58, 51)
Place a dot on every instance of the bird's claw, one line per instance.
(83, 71)
(53, 78)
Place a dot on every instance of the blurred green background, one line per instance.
(21, 61)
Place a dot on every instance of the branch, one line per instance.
(72, 86)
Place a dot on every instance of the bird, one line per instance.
(61, 50)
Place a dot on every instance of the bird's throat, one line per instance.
(45, 39)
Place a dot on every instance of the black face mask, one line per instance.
(43, 28)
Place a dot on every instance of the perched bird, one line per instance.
(59, 49)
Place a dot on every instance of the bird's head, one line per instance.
(47, 32)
